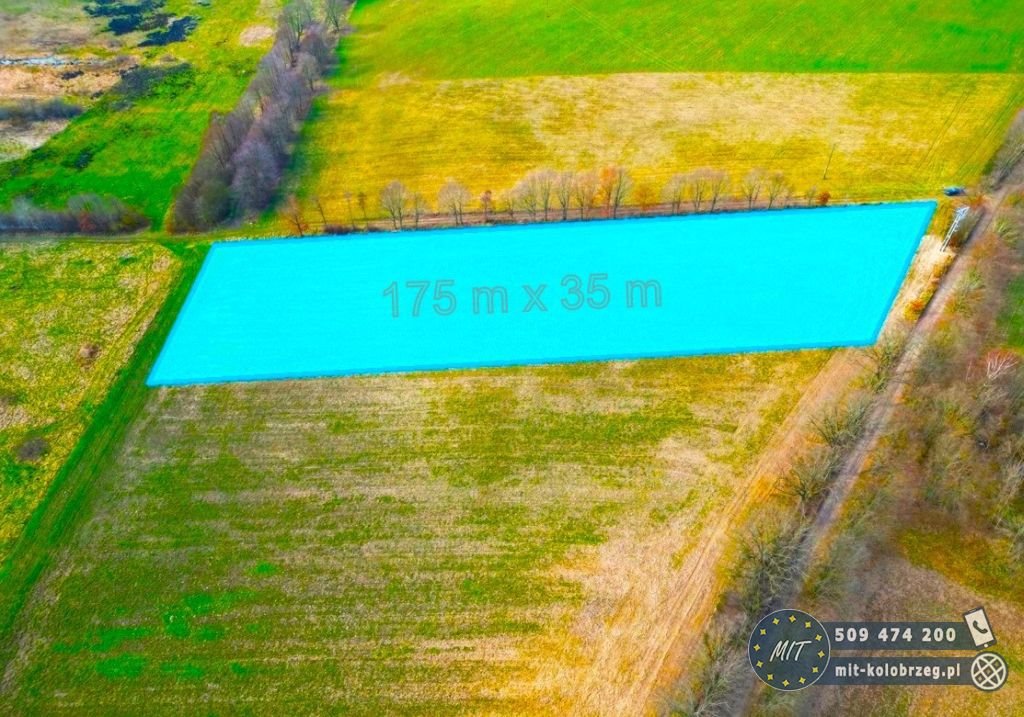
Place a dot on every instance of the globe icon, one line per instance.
(988, 671)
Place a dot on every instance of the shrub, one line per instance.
(768, 564)
(27, 111)
(177, 31)
(840, 426)
(143, 80)
(32, 449)
(83, 213)
(810, 477)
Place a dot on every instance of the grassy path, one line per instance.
(69, 491)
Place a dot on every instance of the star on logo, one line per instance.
(771, 676)
(785, 683)
(761, 664)
(775, 621)
(807, 624)
(818, 638)
(757, 648)
(814, 670)
(792, 618)
(821, 653)
(763, 631)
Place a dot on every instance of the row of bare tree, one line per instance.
(546, 194)
(246, 151)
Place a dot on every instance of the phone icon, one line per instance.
(979, 627)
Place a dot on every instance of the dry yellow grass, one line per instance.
(895, 136)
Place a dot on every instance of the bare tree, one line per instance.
(544, 186)
(751, 186)
(293, 213)
(363, 200)
(319, 209)
(645, 196)
(585, 190)
(395, 198)
(308, 69)
(454, 197)
(788, 195)
(698, 188)
(334, 10)
(998, 363)
(767, 562)
(487, 204)
(615, 187)
(564, 184)
(419, 208)
(672, 193)
(351, 216)
(256, 176)
(777, 187)
(270, 72)
(277, 130)
(809, 478)
(606, 180)
(1011, 487)
(316, 44)
(713, 690)
(297, 14)
(526, 196)
(623, 185)
(286, 42)
(718, 185)
(507, 203)
(227, 132)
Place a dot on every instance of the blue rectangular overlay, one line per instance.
(439, 299)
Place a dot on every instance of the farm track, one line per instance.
(859, 456)
(701, 580)
(672, 632)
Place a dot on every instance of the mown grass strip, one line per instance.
(58, 511)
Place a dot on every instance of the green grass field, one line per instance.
(904, 98)
(142, 153)
(70, 315)
(511, 38)
(430, 544)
